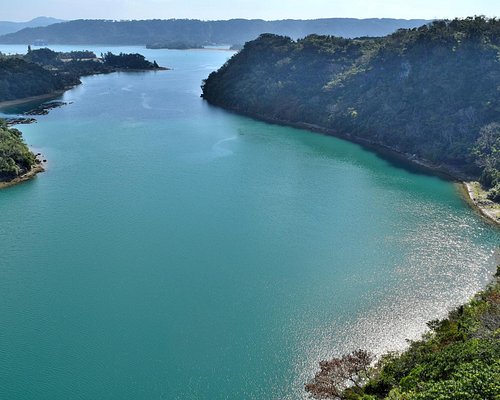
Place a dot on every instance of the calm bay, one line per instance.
(173, 250)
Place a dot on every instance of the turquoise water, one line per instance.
(173, 250)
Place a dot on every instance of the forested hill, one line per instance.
(427, 91)
(236, 31)
(43, 71)
(20, 79)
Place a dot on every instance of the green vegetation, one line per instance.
(427, 92)
(19, 79)
(124, 61)
(487, 153)
(458, 359)
(44, 71)
(175, 45)
(15, 157)
(78, 63)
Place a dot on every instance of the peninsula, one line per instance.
(39, 75)
(17, 162)
(44, 72)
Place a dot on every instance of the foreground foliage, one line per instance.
(15, 157)
(338, 374)
(459, 359)
(426, 92)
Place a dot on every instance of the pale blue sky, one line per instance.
(23, 10)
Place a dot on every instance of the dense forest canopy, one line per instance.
(127, 61)
(44, 71)
(426, 91)
(202, 32)
(15, 157)
(19, 79)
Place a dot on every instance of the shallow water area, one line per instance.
(173, 250)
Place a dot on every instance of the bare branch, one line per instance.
(338, 374)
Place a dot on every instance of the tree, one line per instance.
(487, 152)
(338, 374)
(15, 157)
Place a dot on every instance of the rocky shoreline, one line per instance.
(35, 169)
(42, 109)
(19, 121)
(32, 99)
(476, 197)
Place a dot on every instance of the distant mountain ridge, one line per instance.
(10, 27)
(235, 31)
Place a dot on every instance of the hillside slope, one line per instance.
(20, 79)
(426, 92)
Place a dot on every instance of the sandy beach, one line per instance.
(476, 197)
(49, 96)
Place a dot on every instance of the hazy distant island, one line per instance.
(428, 93)
(196, 31)
(236, 47)
(175, 45)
